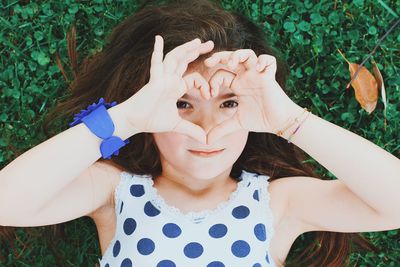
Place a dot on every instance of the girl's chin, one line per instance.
(205, 172)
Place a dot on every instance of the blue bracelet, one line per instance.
(99, 122)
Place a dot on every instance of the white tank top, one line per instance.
(150, 233)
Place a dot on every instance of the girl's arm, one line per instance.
(37, 176)
(370, 172)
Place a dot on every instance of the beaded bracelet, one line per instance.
(296, 120)
(280, 132)
(99, 122)
(290, 137)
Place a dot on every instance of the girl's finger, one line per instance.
(156, 67)
(206, 47)
(186, 46)
(233, 61)
(183, 58)
(247, 57)
(267, 62)
(183, 65)
(221, 78)
(172, 59)
(226, 127)
(218, 57)
(192, 55)
(233, 58)
(196, 80)
(187, 128)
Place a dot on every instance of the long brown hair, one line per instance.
(122, 68)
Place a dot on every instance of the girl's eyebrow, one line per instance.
(227, 95)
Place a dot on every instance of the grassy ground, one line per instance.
(307, 34)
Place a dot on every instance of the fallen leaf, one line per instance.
(365, 86)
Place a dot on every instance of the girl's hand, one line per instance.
(153, 108)
(263, 105)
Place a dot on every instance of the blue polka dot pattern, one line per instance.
(255, 195)
(171, 230)
(137, 190)
(129, 226)
(259, 231)
(146, 231)
(122, 205)
(218, 230)
(193, 250)
(150, 210)
(215, 264)
(116, 248)
(240, 212)
(126, 263)
(267, 258)
(166, 263)
(145, 246)
(240, 248)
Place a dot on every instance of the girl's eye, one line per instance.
(231, 101)
(179, 104)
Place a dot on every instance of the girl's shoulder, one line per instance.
(110, 165)
(111, 173)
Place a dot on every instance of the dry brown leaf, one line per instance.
(381, 86)
(365, 86)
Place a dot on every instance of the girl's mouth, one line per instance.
(206, 154)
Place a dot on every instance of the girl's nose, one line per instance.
(208, 120)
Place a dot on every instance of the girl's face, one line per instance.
(174, 147)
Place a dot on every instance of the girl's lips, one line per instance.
(206, 154)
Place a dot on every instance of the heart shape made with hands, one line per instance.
(263, 105)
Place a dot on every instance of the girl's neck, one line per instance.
(185, 184)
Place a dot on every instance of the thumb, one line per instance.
(187, 128)
(156, 61)
(226, 127)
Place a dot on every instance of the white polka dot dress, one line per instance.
(151, 233)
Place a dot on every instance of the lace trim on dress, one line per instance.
(194, 216)
(270, 217)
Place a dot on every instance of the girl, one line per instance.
(201, 181)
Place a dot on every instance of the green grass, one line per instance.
(307, 34)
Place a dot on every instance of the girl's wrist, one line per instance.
(123, 128)
(297, 116)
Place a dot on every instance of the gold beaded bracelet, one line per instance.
(296, 120)
(280, 132)
(308, 114)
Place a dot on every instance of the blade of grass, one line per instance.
(383, 4)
